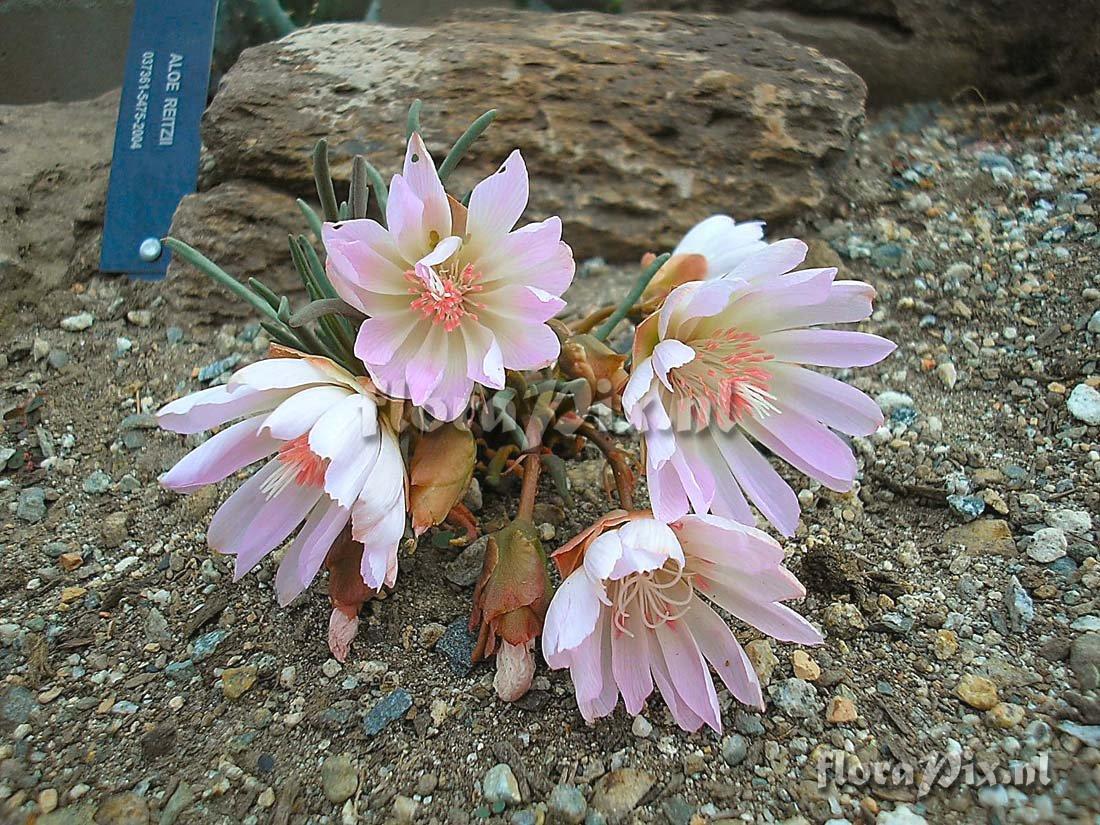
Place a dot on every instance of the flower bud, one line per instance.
(439, 474)
(510, 602)
(587, 357)
(346, 591)
(677, 270)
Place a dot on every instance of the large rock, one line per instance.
(243, 227)
(925, 49)
(633, 127)
(54, 163)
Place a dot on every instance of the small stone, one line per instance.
(967, 508)
(388, 709)
(804, 666)
(339, 778)
(16, 706)
(204, 646)
(71, 594)
(1005, 715)
(795, 698)
(404, 809)
(266, 798)
(1084, 658)
(1084, 404)
(1094, 323)
(178, 802)
(617, 793)
(47, 800)
(983, 537)
(762, 658)
(457, 645)
(32, 504)
(331, 668)
(843, 619)
(97, 482)
(891, 400)
(841, 710)
(237, 681)
(1047, 544)
(735, 748)
(901, 815)
(114, 530)
(947, 373)
(40, 349)
(977, 691)
(58, 359)
(122, 809)
(430, 634)
(465, 568)
(641, 727)
(566, 804)
(156, 626)
(1075, 522)
(1018, 605)
(500, 785)
(77, 323)
(473, 498)
(945, 645)
(140, 317)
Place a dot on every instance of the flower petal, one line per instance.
(761, 483)
(806, 445)
(722, 242)
(833, 403)
(220, 456)
(209, 408)
(571, 618)
(307, 552)
(298, 413)
(720, 647)
(692, 683)
(630, 663)
(496, 204)
(532, 255)
(420, 173)
(827, 347)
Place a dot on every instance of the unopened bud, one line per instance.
(515, 670)
(677, 270)
(589, 358)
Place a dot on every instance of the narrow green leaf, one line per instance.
(312, 218)
(322, 175)
(413, 122)
(358, 194)
(381, 193)
(631, 298)
(462, 145)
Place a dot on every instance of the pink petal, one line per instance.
(424, 371)
(532, 255)
(692, 682)
(775, 620)
(730, 544)
(379, 566)
(692, 301)
(646, 545)
(307, 552)
(761, 483)
(206, 409)
(668, 355)
(451, 396)
(362, 254)
(523, 346)
(341, 633)
(722, 242)
(571, 618)
(484, 360)
(833, 403)
(720, 647)
(379, 338)
(601, 557)
(666, 492)
(220, 456)
(279, 374)
(779, 257)
(497, 202)
(298, 413)
(641, 379)
(827, 347)
(806, 445)
(420, 173)
(847, 302)
(630, 664)
(405, 218)
(701, 451)
(685, 717)
(529, 304)
(593, 681)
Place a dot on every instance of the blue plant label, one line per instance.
(156, 154)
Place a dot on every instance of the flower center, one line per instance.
(724, 381)
(657, 596)
(298, 464)
(446, 296)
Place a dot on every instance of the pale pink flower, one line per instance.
(724, 361)
(455, 297)
(638, 611)
(334, 460)
(723, 242)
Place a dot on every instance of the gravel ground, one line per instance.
(957, 586)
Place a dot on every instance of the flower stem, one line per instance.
(531, 466)
(632, 297)
(624, 477)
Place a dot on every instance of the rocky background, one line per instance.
(957, 586)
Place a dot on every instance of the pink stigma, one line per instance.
(447, 297)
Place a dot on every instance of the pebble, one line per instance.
(32, 504)
(891, 400)
(16, 706)
(1076, 522)
(735, 748)
(967, 508)
(404, 809)
(388, 709)
(140, 317)
(465, 568)
(977, 691)
(237, 681)
(339, 778)
(1094, 323)
(97, 482)
(617, 793)
(948, 374)
(1084, 404)
(114, 530)
(47, 800)
(77, 323)
(331, 668)
(1018, 605)
(841, 710)
(804, 666)
(1005, 716)
(901, 815)
(205, 645)
(177, 804)
(566, 804)
(796, 698)
(641, 727)
(123, 809)
(1084, 658)
(763, 659)
(499, 785)
(457, 645)
(1047, 544)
